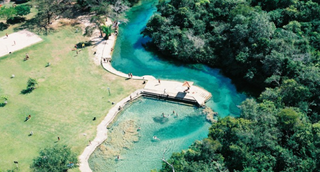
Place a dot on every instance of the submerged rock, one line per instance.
(210, 114)
(161, 119)
(120, 138)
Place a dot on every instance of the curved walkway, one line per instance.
(108, 67)
(174, 89)
(104, 53)
(102, 130)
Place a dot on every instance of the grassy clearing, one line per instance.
(71, 92)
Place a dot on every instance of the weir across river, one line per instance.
(174, 90)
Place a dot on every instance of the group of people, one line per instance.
(31, 132)
(27, 118)
(14, 42)
(106, 59)
(173, 113)
(130, 75)
(82, 46)
(76, 48)
(115, 24)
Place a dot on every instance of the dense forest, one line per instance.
(272, 45)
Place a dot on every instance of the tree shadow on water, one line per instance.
(141, 42)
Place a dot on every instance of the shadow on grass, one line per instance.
(27, 91)
(3, 104)
(16, 20)
(84, 44)
(3, 26)
(21, 1)
(31, 24)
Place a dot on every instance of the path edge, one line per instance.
(102, 130)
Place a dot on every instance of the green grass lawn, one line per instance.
(70, 93)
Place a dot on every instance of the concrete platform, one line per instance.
(17, 41)
(176, 90)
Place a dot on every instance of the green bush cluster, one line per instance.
(31, 85)
(12, 12)
(57, 158)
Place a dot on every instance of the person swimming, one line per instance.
(155, 138)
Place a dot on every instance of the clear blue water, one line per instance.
(145, 153)
(130, 57)
(141, 153)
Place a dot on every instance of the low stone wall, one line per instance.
(102, 130)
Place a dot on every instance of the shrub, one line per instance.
(31, 85)
(22, 10)
(57, 158)
(4, 101)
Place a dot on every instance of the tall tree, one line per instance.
(49, 9)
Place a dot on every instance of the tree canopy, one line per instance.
(55, 159)
(270, 45)
(14, 11)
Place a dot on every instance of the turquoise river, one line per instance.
(131, 134)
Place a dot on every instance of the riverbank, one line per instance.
(131, 56)
(102, 131)
(102, 49)
(173, 89)
(71, 92)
